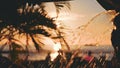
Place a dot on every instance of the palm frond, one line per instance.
(2, 47)
(65, 5)
(24, 17)
(35, 44)
(15, 40)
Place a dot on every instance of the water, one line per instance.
(106, 16)
(96, 50)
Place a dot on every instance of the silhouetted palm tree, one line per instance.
(26, 18)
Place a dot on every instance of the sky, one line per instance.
(83, 10)
(87, 23)
(98, 31)
(90, 14)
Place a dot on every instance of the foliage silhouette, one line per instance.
(26, 19)
(23, 18)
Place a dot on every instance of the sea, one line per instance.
(97, 51)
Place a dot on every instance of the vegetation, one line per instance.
(27, 20)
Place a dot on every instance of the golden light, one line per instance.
(53, 55)
(57, 46)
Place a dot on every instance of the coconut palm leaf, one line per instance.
(36, 44)
(59, 6)
(30, 21)
(15, 40)
(24, 18)
(2, 47)
(14, 51)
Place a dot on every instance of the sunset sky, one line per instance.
(79, 32)
(97, 32)
(87, 23)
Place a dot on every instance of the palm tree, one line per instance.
(23, 18)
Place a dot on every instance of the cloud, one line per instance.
(72, 16)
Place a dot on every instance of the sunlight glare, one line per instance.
(53, 55)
